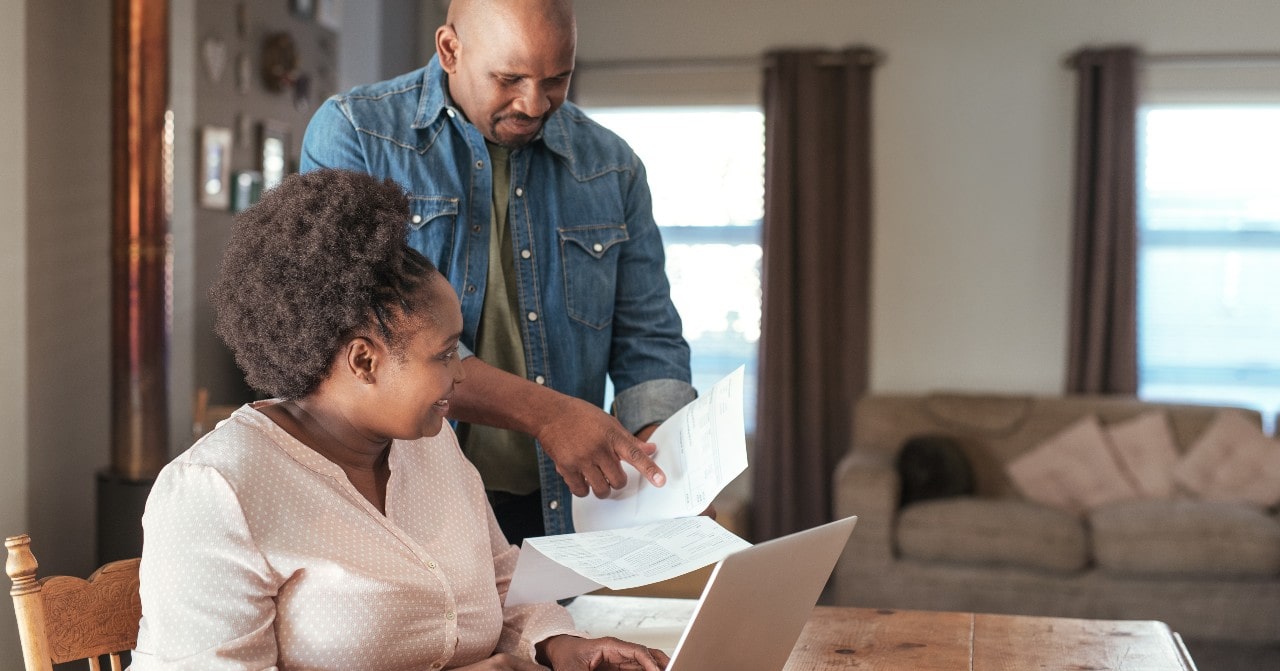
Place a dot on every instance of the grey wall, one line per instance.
(13, 291)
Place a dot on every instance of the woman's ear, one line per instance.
(361, 359)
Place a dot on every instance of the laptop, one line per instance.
(757, 601)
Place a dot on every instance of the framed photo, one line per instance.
(215, 167)
(273, 153)
(303, 9)
(248, 189)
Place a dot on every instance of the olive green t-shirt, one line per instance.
(507, 460)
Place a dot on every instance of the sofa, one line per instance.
(1207, 567)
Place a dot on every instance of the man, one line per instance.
(542, 221)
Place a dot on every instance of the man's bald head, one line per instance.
(480, 12)
(508, 63)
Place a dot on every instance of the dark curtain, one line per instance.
(815, 277)
(1103, 337)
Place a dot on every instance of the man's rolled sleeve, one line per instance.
(651, 402)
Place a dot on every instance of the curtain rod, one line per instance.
(1195, 58)
(829, 59)
(1224, 58)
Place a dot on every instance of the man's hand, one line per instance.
(587, 446)
(585, 442)
(570, 653)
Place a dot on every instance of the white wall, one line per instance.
(13, 303)
(973, 151)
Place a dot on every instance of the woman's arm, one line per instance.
(207, 593)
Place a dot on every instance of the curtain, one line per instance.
(815, 277)
(1103, 336)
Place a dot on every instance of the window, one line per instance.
(706, 172)
(1209, 254)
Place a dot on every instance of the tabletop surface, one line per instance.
(888, 640)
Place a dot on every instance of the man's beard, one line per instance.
(520, 140)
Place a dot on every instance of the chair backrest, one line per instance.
(64, 618)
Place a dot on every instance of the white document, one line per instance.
(701, 448)
(556, 567)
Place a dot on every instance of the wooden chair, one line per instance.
(64, 618)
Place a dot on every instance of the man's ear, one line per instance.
(362, 357)
(448, 48)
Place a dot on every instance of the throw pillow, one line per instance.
(1251, 475)
(1198, 468)
(1146, 450)
(1074, 470)
(932, 467)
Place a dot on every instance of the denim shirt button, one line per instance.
(479, 165)
(475, 228)
(597, 248)
(471, 288)
(524, 253)
(533, 316)
(554, 505)
(519, 192)
(450, 112)
(417, 218)
(540, 380)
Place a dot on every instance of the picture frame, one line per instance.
(248, 190)
(303, 9)
(215, 167)
(273, 153)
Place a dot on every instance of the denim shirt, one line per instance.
(593, 293)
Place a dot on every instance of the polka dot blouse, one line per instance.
(259, 554)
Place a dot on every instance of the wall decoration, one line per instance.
(302, 92)
(279, 61)
(215, 167)
(248, 190)
(303, 9)
(329, 14)
(273, 153)
(244, 73)
(213, 52)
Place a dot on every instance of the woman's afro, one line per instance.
(320, 259)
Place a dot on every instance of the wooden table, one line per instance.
(889, 640)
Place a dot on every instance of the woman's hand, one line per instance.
(570, 653)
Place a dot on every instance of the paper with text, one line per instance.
(557, 567)
(701, 448)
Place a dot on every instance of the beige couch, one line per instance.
(1210, 570)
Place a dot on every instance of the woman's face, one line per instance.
(415, 385)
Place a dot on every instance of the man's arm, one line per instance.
(585, 443)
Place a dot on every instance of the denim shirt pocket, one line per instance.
(431, 227)
(590, 255)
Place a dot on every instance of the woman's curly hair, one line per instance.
(320, 259)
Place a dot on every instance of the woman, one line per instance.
(338, 526)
